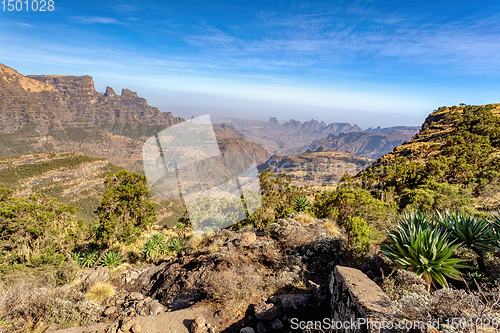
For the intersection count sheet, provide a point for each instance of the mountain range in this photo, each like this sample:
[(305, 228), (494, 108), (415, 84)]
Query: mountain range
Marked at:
[(372, 143), (294, 137), (55, 114)]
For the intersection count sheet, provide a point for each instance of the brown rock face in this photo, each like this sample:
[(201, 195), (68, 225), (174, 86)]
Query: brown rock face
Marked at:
[(48, 113), (265, 311), (109, 92), (68, 85)]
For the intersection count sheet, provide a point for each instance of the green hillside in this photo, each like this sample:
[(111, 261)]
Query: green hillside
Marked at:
[(452, 163), (72, 178)]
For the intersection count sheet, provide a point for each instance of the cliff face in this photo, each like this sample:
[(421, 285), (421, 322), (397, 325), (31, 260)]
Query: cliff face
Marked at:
[(371, 144), (68, 85), (28, 105), (54, 114), (126, 114)]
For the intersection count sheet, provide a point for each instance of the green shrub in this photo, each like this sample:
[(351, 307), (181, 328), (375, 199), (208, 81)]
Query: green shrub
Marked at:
[(432, 196), (343, 203), (125, 210), (358, 233), (278, 198), (37, 230)]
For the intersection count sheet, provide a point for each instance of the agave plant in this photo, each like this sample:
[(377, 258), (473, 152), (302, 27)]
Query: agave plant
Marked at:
[(218, 220), (414, 221), (164, 250), (494, 221), (111, 259), (150, 250), (87, 259), (75, 256), (175, 243), (418, 246), (158, 239), (302, 204), (470, 232)]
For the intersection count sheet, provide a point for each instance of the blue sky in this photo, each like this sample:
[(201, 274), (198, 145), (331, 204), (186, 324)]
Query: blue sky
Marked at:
[(366, 62)]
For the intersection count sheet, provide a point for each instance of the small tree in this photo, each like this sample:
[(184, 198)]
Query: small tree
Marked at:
[(124, 212)]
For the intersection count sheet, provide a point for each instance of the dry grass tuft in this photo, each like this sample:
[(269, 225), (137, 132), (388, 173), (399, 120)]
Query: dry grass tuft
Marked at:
[(304, 218), (332, 228), (196, 242), (213, 248), (216, 242), (100, 292)]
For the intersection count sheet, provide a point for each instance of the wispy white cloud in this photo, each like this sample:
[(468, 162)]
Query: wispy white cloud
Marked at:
[(126, 8), (363, 37), (24, 25), (96, 19)]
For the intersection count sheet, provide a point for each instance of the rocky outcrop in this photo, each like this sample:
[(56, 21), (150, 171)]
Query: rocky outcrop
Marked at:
[(11, 77), (68, 85), (109, 92), (178, 322), (232, 281), (357, 301)]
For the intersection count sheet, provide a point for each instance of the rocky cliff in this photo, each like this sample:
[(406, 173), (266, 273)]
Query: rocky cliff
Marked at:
[(55, 114)]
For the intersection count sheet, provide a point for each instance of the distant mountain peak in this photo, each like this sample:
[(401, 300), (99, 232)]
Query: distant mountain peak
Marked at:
[(110, 92), (129, 93)]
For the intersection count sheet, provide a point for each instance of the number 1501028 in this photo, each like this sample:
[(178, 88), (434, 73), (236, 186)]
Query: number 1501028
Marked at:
[(28, 5)]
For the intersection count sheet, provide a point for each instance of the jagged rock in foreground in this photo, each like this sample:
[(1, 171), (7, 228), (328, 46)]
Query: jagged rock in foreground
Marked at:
[(230, 281)]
